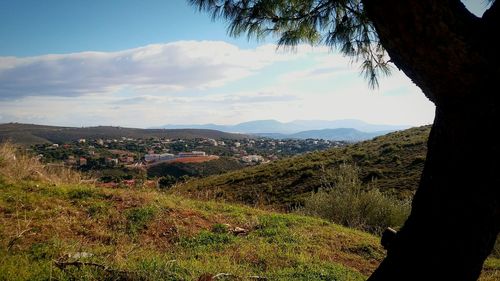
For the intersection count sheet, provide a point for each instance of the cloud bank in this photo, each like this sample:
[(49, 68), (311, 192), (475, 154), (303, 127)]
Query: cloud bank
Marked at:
[(161, 67), (188, 82)]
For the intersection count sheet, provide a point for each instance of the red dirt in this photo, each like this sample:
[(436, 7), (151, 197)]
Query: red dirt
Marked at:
[(198, 159)]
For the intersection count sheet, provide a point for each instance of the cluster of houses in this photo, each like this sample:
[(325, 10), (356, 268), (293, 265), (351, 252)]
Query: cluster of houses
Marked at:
[(253, 159)]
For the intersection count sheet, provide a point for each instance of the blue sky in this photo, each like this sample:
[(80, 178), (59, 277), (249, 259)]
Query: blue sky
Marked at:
[(153, 62)]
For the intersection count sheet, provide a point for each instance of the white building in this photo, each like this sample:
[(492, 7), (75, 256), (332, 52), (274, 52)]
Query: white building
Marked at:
[(158, 157), (252, 159), (192, 154), (212, 142)]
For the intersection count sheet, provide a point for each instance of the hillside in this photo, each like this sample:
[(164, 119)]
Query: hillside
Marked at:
[(29, 134), (392, 163), (52, 226)]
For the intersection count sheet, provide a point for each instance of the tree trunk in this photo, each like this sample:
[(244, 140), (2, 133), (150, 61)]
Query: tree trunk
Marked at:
[(455, 217)]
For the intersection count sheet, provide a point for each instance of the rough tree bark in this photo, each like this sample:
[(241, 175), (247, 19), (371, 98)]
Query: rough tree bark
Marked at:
[(449, 53)]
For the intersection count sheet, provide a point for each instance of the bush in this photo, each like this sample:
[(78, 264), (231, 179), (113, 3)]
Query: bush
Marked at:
[(220, 228), (166, 181), (80, 193), (138, 218), (342, 200)]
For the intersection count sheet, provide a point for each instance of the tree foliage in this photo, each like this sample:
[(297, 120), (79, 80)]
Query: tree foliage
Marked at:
[(339, 24)]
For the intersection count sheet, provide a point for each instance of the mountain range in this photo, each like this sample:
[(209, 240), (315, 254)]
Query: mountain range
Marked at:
[(340, 134), (346, 129)]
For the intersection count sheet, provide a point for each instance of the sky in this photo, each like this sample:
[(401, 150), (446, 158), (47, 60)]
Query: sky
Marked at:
[(146, 63)]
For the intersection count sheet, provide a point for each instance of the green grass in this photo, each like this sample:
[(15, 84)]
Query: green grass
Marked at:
[(391, 163), (150, 235), (139, 217), (49, 227)]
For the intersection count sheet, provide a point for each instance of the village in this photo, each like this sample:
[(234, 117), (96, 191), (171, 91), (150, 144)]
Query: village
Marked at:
[(87, 154)]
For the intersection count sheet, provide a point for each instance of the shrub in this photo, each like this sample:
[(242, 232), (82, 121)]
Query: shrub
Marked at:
[(166, 181), (207, 239), (80, 193), (138, 218), (342, 200), (220, 228)]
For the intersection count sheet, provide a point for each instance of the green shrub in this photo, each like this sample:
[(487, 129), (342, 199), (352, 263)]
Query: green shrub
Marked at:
[(207, 239), (138, 218), (166, 181), (97, 209), (80, 193), (220, 228), (343, 200)]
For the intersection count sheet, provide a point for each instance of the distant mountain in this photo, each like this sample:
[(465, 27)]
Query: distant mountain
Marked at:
[(346, 123), (340, 134), (251, 127), (33, 134), (275, 127)]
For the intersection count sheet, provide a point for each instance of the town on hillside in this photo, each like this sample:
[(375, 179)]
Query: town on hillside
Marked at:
[(131, 154)]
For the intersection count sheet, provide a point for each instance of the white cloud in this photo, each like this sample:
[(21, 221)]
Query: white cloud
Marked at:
[(188, 82), (162, 67)]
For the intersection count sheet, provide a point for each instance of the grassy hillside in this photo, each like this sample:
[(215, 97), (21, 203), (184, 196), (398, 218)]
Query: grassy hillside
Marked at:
[(54, 227), (392, 163), (47, 230), (36, 134)]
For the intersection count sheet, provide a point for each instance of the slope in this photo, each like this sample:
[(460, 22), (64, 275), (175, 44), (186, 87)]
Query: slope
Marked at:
[(53, 227), (65, 230), (392, 163)]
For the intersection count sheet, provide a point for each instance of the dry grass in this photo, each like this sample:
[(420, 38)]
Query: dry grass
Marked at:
[(16, 166)]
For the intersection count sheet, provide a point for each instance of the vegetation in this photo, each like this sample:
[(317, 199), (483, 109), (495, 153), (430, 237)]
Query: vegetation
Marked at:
[(391, 163), (343, 200), (15, 166), (65, 230), (74, 231), (177, 170), (39, 134)]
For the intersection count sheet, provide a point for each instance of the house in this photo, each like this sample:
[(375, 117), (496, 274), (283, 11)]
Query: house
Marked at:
[(71, 160), (111, 161), (252, 159), (82, 161)]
